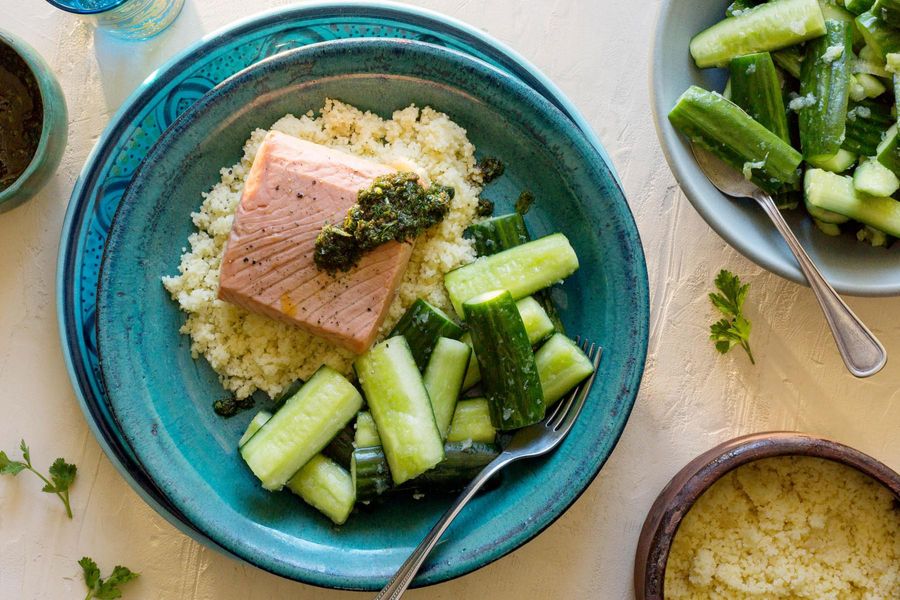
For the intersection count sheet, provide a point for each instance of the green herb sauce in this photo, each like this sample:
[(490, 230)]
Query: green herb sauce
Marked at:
[(394, 208), (490, 168), (21, 116), (485, 208), (524, 202), (228, 407)]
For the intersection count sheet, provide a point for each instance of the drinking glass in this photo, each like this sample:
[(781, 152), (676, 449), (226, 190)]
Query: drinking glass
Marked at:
[(127, 19)]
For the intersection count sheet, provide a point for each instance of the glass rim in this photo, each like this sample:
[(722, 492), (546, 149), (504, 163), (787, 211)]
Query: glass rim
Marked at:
[(86, 11)]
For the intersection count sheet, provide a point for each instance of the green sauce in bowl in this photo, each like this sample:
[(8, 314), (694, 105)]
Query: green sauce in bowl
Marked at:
[(33, 122), (21, 116)]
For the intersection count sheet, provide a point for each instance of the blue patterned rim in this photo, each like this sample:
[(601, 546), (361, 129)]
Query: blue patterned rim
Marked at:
[(143, 118)]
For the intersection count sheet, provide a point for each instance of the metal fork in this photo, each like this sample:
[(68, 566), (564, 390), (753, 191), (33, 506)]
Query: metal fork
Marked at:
[(534, 440)]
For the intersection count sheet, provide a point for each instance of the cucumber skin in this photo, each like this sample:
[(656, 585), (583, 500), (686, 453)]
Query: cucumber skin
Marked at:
[(370, 473), (790, 60), (858, 7), (444, 381), (723, 128), (259, 419), (889, 151), (888, 11), (822, 125), (326, 486), (473, 373), (879, 36), (397, 396), (736, 36), (508, 371), (863, 134), (497, 234), (287, 392), (895, 79), (549, 259), (502, 233), (341, 446), (325, 379), (422, 324), (462, 462), (880, 213), (788, 200), (755, 88)]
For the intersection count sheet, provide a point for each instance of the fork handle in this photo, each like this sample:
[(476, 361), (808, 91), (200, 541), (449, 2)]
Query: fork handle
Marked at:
[(401, 580), (862, 352)]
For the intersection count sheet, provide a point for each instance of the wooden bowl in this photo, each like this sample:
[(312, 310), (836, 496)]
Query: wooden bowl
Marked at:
[(679, 495)]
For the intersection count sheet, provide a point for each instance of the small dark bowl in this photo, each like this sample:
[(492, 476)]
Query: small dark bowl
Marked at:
[(677, 498), (54, 128)]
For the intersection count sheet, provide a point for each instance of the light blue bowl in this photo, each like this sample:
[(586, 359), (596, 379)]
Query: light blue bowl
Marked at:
[(850, 266), (161, 397), (54, 133)]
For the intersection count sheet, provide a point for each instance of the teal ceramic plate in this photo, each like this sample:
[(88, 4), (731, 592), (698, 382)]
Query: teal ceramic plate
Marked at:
[(850, 266), (155, 105), (160, 396)]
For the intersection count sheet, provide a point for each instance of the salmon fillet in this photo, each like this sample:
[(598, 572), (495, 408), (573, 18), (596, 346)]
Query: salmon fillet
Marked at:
[(293, 188)]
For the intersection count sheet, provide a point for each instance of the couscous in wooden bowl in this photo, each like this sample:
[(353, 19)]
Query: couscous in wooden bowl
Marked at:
[(682, 492)]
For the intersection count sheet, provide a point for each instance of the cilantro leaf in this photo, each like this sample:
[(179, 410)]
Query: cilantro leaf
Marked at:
[(734, 329), (110, 587), (62, 474), (10, 467), (731, 301), (91, 572), (104, 589)]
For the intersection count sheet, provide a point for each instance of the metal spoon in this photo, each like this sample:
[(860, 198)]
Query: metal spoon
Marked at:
[(862, 352)]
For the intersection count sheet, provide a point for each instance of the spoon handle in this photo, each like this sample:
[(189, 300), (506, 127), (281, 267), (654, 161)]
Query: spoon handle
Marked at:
[(862, 352)]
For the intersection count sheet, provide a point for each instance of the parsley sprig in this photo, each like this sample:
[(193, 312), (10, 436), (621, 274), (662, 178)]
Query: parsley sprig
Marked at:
[(104, 589), (734, 329), (62, 474)]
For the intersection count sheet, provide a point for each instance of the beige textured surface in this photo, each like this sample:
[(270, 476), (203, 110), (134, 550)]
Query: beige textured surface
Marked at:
[(691, 398)]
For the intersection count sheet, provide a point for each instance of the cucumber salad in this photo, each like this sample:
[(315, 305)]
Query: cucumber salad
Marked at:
[(430, 400), (810, 109)]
